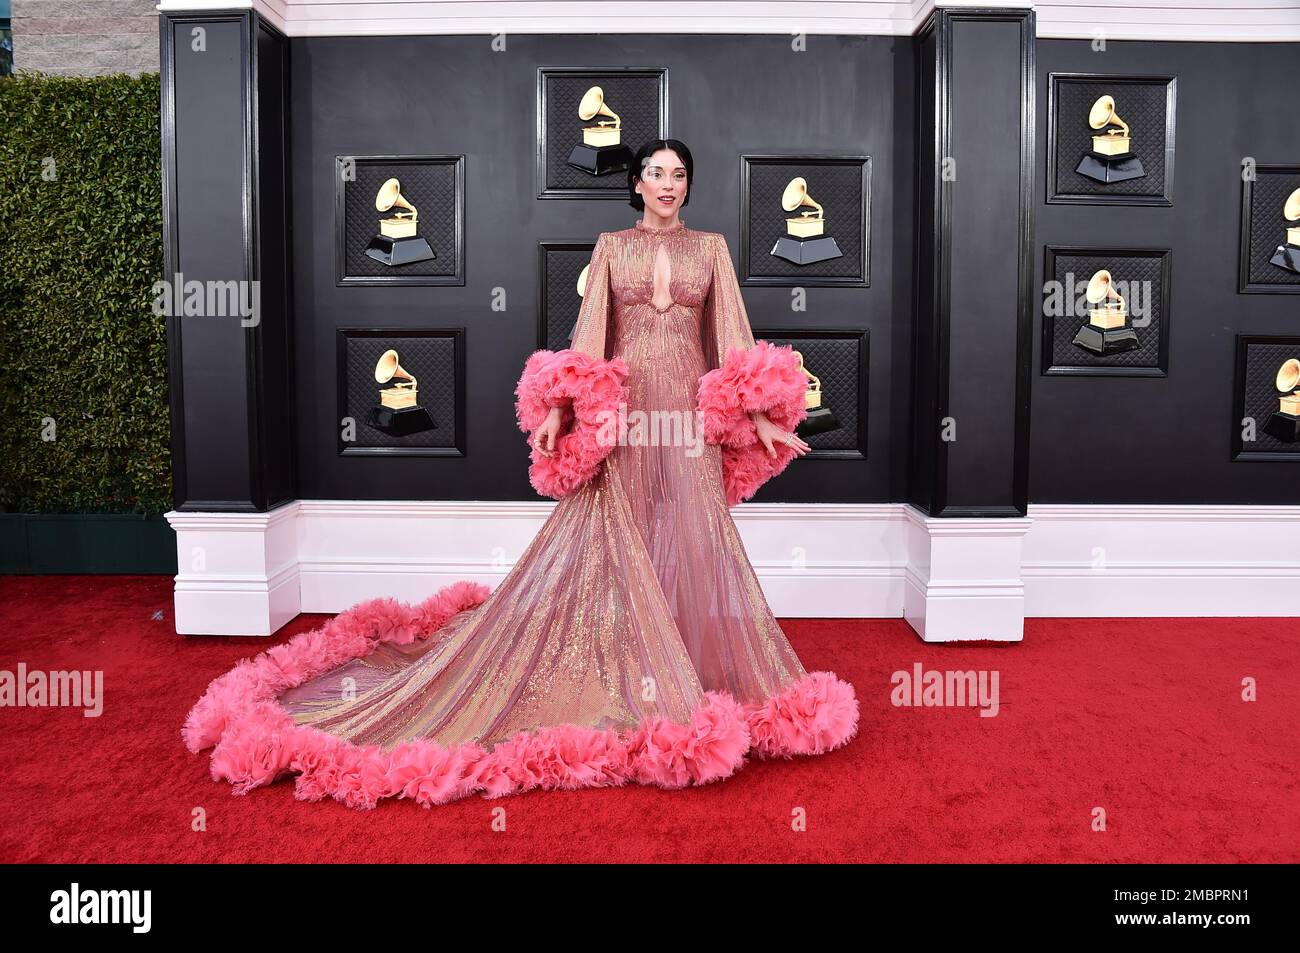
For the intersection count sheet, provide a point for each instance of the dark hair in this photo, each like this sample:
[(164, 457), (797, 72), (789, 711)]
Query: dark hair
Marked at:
[(643, 156)]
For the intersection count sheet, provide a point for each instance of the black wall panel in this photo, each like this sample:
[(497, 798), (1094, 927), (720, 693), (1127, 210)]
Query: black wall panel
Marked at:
[(1168, 440), (728, 95)]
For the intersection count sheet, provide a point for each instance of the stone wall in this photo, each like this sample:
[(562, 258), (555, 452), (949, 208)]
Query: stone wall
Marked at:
[(85, 37)]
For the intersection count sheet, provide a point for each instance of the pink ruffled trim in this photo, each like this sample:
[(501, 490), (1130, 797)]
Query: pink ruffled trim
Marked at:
[(816, 714), (587, 388), (256, 741), (764, 378)]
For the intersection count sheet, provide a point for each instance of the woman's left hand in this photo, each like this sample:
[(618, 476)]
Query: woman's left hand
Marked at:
[(769, 434)]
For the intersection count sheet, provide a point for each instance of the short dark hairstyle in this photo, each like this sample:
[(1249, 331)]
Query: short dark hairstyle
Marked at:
[(643, 156)]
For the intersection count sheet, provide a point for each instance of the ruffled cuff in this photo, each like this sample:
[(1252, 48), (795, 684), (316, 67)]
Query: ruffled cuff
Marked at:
[(763, 378), (590, 391)]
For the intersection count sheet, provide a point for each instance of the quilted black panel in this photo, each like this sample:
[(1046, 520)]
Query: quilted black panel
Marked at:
[(1268, 227), (1261, 394), (560, 301), (634, 95), (430, 187), (836, 360), (1141, 105), (432, 360), (838, 187), (1124, 270)]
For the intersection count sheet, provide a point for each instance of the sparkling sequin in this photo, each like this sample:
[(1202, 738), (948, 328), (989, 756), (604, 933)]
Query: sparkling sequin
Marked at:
[(636, 595)]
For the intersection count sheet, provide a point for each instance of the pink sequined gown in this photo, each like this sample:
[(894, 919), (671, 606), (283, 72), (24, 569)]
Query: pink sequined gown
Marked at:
[(637, 585), (634, 602)]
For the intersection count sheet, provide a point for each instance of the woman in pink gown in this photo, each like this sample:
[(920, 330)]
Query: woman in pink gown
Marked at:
[(631, 641)]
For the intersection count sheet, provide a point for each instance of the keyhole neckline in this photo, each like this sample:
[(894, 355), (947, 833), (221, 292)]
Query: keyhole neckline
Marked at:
[(654, 280), (643, 227)]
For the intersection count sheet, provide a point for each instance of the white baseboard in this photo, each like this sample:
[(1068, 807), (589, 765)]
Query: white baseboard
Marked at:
[(1155, 560), (951, 579)]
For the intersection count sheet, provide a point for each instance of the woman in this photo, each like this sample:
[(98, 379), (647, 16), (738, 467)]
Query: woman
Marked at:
[(631, 641)]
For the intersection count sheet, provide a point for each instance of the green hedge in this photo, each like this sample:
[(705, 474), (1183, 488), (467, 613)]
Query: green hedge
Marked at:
[(79, 254)]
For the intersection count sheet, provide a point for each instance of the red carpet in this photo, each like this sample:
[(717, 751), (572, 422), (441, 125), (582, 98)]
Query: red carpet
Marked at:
[(1140, 717)]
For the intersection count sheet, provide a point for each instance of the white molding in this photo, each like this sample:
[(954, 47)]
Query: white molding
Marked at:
[(1157, 560), (951, 579), (1265, 21), (963, 578), (237, 572), (836, 560)]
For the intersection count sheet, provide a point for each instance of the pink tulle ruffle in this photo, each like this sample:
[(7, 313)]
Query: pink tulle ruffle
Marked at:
[(589, 390), (255, 741), (763, 378)]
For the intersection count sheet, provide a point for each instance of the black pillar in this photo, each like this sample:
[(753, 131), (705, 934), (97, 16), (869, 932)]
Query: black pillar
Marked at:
[(226, 260), (974, 274)]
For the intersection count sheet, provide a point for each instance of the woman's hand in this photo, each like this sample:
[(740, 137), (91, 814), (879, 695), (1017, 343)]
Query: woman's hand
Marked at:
[(545, 436), (769, 433)]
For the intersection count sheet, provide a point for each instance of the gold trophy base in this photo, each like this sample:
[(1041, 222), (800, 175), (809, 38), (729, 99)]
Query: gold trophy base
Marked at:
[(397, 397), (601, 136), (1290, 404), (1108, 319), (397, 227), (1111, 145), (801, 227)]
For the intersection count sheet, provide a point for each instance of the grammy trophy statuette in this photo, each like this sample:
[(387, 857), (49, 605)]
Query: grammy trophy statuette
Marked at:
[(601, 150), (1110, 159), (804, 242), (820, 418), (1284, 423), (1105, 333), (1288, 255), (397, 242), (397, 413)]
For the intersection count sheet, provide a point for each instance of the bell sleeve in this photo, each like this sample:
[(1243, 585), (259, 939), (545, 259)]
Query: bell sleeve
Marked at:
[(584, 383), (744, 378)]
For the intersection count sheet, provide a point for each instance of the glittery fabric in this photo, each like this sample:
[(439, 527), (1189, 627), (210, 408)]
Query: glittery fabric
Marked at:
[(636, 595)]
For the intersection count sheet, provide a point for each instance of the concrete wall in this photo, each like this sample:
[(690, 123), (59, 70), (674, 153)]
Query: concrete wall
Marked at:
[(85, 37)]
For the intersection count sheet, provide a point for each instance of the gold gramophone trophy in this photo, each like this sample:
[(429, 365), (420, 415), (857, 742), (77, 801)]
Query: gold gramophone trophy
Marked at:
[(1288, 255), (820, 417), (1284, 423), (397, 242), (601, 150), (1111, 159), (1106, 331), (397, 413), (804, 241)]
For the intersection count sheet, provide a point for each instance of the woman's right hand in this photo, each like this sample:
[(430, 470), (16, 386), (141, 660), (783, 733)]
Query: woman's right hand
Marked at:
[(545, 436)]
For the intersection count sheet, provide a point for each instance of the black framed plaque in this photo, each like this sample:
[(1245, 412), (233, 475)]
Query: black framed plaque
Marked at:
[(559, 265), (840, 186), (1261, 429), (1146, 103), (427, 420), (1266, 258), (566, 168), (1141, 276), (841, 359), (434, 185)]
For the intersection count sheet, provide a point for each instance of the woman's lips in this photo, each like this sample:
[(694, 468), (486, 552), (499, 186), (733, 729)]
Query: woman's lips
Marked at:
[(667, 199)]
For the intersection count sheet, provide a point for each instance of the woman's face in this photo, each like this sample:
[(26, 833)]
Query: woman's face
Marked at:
[(662, 185)]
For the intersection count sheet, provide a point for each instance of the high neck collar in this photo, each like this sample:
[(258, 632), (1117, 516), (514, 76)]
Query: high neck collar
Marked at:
[(641, 226)]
